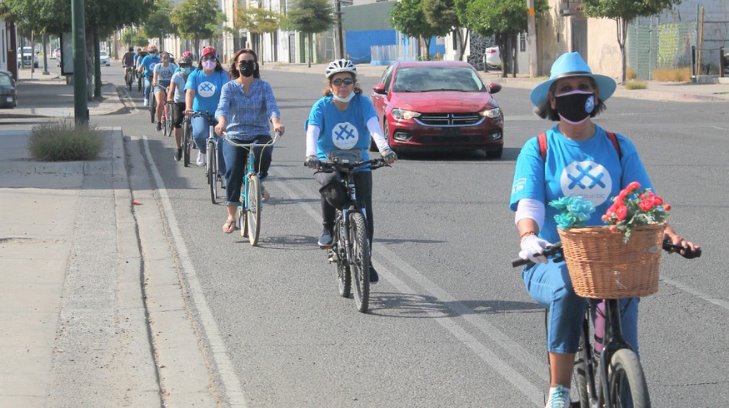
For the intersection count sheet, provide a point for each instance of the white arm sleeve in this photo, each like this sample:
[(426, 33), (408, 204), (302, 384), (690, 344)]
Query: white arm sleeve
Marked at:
[(376, 132), (312, 136), (530, 208)]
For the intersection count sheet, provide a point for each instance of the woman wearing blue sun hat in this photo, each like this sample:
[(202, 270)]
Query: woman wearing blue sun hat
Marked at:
[(575, 157)]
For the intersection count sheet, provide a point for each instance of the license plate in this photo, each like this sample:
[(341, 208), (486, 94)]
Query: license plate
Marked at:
[(451, 131), (9, 98)]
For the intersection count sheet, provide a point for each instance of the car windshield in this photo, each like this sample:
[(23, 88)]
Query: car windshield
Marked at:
[(432, 78), (5, 81)]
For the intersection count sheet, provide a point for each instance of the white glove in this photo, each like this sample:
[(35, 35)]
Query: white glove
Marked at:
[(388, 156), (532, 248)]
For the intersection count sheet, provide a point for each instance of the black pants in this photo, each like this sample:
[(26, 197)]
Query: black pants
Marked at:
[(235, 165), (363, 186)]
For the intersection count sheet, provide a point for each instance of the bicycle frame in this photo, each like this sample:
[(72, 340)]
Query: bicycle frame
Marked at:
[(250, 164)]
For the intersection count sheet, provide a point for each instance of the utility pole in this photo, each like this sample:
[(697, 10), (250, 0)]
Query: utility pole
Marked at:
[(78, 26), (339, 28), (532, 39)]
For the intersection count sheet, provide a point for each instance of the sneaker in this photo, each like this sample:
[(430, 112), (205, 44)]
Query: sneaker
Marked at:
[(264, 194), (159, 126), (325, 239), (145, 101), (178, 155), (374, 277), (559, 397), (200, 159)]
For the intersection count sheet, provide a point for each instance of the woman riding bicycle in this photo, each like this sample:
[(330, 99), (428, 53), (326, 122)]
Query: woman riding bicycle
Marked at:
[(203, 93), (581, 159), (176, 95), (146, 64), (344, 119), (161, 78), (246, 108)]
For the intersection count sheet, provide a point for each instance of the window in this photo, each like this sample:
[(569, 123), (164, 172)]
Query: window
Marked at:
[(522, 42)]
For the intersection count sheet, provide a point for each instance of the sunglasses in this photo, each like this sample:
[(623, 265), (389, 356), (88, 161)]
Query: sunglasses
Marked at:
[(340, 82)]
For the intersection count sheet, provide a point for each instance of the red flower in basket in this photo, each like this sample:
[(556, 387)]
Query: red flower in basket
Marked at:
[(633, 207)]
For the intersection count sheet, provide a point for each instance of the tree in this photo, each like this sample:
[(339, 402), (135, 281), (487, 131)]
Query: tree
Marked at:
[(197, 19), (408, 18), (311, 17), (623, 12), (258, 21), (446, 16), (158, 24), (503, 19)]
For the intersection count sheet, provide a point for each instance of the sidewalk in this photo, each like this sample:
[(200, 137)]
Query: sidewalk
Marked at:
[(81, 324)]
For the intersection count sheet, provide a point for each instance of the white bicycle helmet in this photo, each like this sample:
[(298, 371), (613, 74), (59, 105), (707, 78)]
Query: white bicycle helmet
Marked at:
[(341, 65)]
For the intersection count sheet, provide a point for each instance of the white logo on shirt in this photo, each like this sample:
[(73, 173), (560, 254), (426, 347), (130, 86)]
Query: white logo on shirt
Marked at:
[(587, 179), (206, 89), (345, 135)]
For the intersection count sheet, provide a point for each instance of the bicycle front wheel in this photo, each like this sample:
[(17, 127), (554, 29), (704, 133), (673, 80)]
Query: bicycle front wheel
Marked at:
[(626, 381), (254, 208), (344, 275), (212, 171), (186, 143), (360, 260), (152, 105)]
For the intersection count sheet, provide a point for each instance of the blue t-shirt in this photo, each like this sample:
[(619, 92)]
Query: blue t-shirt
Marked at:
[(588, 168), (149, 62), (207, 89), (342, 130)]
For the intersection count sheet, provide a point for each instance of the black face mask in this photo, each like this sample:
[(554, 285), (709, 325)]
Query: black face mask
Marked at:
[(576, 106), (246, 68)]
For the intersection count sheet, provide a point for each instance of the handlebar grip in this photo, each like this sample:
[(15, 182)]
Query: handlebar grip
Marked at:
[(520, 262), (683, 251)]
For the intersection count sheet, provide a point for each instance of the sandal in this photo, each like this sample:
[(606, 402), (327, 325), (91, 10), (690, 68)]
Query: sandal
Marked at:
[(229, 226), (264, 194)]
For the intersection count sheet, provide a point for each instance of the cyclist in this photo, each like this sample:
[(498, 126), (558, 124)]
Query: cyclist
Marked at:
[(344, 119), (580, 160), (145, 67), (246, 106), (161, 78), (177, 95), (128, 62), (202, 95), (137, 63)]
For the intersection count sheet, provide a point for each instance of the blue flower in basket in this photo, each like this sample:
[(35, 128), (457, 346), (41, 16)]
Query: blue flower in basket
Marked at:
[(574, 211)]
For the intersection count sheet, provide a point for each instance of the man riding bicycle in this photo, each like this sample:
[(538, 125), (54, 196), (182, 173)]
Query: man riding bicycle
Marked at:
[(161, 78), (128, 63), (145, 67)]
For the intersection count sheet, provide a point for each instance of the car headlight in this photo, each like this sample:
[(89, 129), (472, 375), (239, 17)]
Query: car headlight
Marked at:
[(402, 114), (491, 113)]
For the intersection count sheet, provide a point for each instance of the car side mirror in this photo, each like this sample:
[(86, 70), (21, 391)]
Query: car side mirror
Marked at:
[(379, 89), (494, 87)]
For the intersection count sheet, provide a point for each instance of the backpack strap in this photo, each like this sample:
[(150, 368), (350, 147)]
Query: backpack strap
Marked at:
[(542, 140)]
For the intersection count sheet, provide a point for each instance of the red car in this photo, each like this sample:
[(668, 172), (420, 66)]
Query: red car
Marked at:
[(438, 105)]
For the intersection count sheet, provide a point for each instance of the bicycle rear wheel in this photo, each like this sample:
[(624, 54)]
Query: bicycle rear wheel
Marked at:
[(241, 215), (626, 381), (186, 142), (212, 171), (579, 396), (360, 261), (254, 208), (344, 275)]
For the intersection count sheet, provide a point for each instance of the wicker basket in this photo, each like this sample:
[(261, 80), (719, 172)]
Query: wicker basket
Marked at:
[(602, 266)]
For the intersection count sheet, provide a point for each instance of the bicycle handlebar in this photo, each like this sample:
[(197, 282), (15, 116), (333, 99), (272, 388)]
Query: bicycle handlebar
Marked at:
[(667, 246), (276, 136), (329, 166)]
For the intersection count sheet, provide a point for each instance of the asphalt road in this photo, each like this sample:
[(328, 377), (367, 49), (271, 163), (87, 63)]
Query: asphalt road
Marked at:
[(450, 324)]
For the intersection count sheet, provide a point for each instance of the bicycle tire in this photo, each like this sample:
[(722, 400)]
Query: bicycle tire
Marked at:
[(152, 106), (344, 275), (186, 142), (253, 212), (626, 380), (360, 260), (578, 389), (168, 120), (242, 222), (212, 172)]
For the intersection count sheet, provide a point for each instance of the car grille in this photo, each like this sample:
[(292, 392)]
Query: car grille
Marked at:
[(449, 119)]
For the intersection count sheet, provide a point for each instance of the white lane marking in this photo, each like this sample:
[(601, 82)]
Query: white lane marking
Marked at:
[(532, 392), (686, 288), (231, 383)]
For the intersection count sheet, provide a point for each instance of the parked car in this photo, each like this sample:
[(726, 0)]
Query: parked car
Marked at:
[(104, 58), (492, 58), (27, 57), (8, 96), (438, 105)]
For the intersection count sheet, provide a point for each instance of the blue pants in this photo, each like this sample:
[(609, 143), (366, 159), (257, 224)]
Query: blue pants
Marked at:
[(200, 126), (237, 157), (147, 86), (549, 284)]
